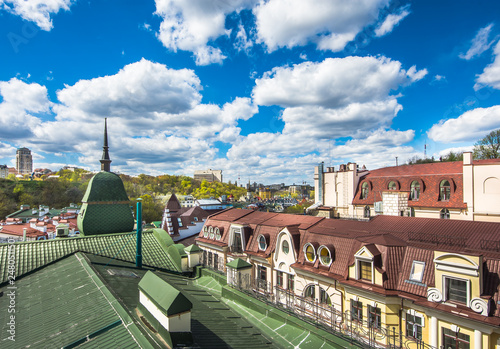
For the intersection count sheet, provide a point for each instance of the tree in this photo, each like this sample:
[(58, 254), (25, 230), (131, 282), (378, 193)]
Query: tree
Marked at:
[(488, 147)]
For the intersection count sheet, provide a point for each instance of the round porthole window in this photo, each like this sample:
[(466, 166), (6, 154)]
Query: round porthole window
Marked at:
[(262, 243), (324, 255), (309, 252)]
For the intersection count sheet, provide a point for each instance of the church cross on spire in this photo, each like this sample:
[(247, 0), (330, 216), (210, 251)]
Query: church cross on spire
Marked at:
[(105, 160)]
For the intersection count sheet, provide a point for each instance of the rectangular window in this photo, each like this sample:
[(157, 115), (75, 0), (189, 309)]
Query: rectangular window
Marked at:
[(456, 290), (291, 283), (179, 221), (279, 279), (356, 310), (417, 271), (237, 244), (365, 270), (210, 258), (455, 340), (374, 317), (262, 278), (216, 261), (414, 326)]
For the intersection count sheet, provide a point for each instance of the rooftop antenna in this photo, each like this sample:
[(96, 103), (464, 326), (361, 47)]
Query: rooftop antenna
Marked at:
[(425, 150), (396, 161)]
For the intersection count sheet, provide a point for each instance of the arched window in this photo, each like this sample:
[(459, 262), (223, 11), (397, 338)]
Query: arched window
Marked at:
[(365, 189), (392, 185), (414, 190), (310, 292), (366, 213), (444, 190), (217, 233), (310, 253), (324, 298), (211, 231), (285, 247), (444, 214)]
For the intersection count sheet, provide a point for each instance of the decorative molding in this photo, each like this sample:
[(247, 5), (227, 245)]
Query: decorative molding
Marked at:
[(471, 269), (434, 295), (455, 328), (480, 306)]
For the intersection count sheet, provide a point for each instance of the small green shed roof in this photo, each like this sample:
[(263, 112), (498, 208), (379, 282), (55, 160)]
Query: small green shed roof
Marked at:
[(238, 263), (167, 298), (192, 248)]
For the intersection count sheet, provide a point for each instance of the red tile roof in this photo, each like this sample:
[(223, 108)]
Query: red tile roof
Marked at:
[(429, 175)]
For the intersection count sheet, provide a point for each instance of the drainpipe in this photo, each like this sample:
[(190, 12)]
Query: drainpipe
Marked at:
[(341, 297), (138, 255)]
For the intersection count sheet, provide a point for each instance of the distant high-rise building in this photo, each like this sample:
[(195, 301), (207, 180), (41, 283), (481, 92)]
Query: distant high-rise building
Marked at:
[(24, 161)]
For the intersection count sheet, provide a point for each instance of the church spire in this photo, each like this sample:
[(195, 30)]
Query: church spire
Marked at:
[(105, 160)]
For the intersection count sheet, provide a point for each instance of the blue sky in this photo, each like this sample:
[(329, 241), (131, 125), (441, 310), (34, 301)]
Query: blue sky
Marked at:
[(263, 90)]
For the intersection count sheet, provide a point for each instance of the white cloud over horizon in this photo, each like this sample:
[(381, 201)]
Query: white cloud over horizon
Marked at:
[(470, 126)]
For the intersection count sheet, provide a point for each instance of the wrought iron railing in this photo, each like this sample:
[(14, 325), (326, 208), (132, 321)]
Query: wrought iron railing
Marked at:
[(365, 333), (213, 262)]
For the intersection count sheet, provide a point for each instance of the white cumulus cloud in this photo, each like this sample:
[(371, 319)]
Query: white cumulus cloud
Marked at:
[(37, 11), (470, 126), (330, 24), (491, 74)]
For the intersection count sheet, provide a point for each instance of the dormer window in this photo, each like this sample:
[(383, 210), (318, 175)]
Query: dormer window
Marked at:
[(415, 190), (217, 233), (365, 189), (211, 232), (392, 185), (309, 253), (179, 221), (365, 270), (444, 190), (364, 263), (236, 242), (262, 243), (325, 256), (456, 290)]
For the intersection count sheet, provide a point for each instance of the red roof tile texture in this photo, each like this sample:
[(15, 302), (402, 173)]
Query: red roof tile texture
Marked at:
[(429, 177)]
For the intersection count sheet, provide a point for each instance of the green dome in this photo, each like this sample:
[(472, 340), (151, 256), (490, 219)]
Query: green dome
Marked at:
[(105, 207), (105, 186)]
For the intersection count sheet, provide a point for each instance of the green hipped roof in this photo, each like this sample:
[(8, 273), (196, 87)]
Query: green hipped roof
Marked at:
[(105, 186), (238, 263), (180, 248), (97, 219), (167, 298), (192, 248), (32, 255), (64, 303)]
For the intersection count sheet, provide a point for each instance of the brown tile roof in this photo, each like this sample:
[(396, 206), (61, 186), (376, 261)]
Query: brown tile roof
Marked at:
[(429, 176)]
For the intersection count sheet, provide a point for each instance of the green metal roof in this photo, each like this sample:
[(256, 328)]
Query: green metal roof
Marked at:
[(165, 297), (238, 263), (31, 255), (193, 248), (105, 186), (64, 303), (97, 219)]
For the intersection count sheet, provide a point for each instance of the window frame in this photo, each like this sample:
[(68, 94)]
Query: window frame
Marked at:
[(446, 290), (444, 214), (356, 310), (446, 189), (310, 292), (393, 187), (306, 247), (413, 326), (458, 342), (412, 272), (366, 212), (415, 190), (287, 250), (330, 259), (374, 312), (365, 190), (260, 239), (179, 222), (361, 272), (290, 282), (279, 278), (324, 297)]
